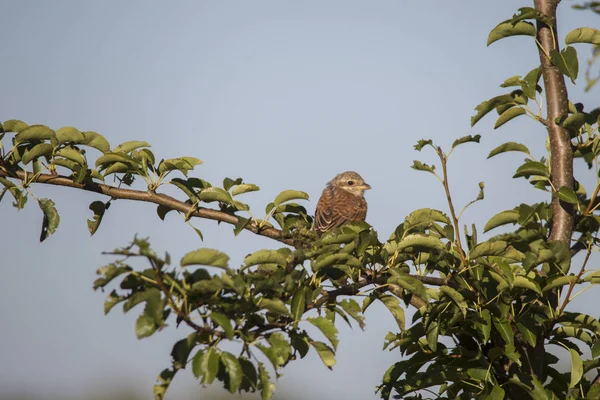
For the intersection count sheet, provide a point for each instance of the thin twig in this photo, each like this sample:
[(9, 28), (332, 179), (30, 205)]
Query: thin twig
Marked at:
[(443, 159)]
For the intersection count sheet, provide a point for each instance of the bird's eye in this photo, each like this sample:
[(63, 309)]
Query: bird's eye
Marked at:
[(350, 183)]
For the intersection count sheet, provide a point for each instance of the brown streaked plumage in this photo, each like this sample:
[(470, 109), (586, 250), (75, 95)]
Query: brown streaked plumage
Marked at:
[(342, 202)]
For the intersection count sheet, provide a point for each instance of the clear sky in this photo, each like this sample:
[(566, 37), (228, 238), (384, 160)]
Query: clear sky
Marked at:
[(283, 94)]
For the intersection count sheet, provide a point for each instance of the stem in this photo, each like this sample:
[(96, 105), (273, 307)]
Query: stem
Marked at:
[(572, 285), (443, 159), (184, 317)]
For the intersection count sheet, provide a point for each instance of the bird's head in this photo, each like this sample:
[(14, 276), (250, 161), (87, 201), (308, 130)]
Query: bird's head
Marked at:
[(351, 182)]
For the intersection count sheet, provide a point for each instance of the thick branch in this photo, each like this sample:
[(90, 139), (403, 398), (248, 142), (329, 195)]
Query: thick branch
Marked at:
[(561, 155), (151, 197)]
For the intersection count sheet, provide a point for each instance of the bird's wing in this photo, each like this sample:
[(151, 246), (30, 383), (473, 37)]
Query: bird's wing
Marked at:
[(323, 215), (336, 209)]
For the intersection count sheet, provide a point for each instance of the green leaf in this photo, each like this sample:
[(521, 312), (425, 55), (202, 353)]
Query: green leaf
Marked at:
[(583, 35), (479, 374), (506, 29), (325, 352), (393, 305), (351, 307), (98, 208), (566, 61), (485, 327), (111, 158), (96, 141), (559, 281), (327, 328), (144, 326), (267, 387), (507, 115), (512, 81), (527, 334), (525, 282), (129, 146), (206, 365), (34, 132), (211, 257), (288, 195), (534, 168), (529, 84), (228, 183), (181, 350), (508, 146), (51, 218), (214, 194), (224, 322), (573, 122), (466, 139), (164, 380), (424, 217), (298, 303), (266, 257), (497, 393), (419, 166), (241, 225), (72, 154), (112, 300), (494, 248), (110, 272), (483, 108), (422, 143), (531, 13), (416, 240), (117, 168), (244, 188), (68, 134), (39, 150), (279, 352), (456, 297), (567, 195), (576, 368), (273, 305), (233, 369), (182, 164), (503, 327), (14, 125), (432, 334)]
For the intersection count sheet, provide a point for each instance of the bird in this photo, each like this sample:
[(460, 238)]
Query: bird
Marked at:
[(341, 202)]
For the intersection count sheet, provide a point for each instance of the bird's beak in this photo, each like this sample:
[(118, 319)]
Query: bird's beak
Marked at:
[(366, 186)]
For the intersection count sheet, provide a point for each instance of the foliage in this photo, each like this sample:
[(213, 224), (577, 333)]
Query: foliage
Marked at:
[(491, 318)]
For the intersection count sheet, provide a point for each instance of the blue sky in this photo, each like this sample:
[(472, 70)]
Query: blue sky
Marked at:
[(283, 94)]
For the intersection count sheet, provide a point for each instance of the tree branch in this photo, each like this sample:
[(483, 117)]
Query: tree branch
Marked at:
[(561, 154), (151, 197)]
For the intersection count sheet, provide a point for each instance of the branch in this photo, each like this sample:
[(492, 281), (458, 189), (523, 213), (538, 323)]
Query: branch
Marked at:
[(353, 289), (446, 185), (561, 155), (151, 197)]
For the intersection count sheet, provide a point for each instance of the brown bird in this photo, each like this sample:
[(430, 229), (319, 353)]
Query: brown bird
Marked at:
[(342, 202)]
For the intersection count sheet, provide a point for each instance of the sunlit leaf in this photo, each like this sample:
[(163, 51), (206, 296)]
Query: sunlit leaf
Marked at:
[(583, 35), (51, 218), (288, 195), (211, 257), (508, 146), (506, 29)]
